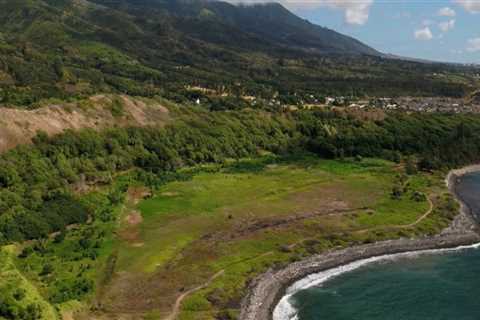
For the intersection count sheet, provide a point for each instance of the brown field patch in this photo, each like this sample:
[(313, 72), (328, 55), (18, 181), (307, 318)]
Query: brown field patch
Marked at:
[(169, 194), (129, 235), (134, 218), (136, 194)]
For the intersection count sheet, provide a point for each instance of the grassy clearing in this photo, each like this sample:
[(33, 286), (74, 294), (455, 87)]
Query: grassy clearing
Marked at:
[(255, 214), (181, 212)]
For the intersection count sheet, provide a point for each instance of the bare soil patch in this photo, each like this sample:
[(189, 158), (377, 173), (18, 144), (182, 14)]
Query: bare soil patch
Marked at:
[(169, 194), (134, 218), (19, 126), (136, 194), (131, 233)]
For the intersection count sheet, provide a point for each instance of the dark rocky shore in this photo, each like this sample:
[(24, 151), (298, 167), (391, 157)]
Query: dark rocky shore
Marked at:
[(267, 289)]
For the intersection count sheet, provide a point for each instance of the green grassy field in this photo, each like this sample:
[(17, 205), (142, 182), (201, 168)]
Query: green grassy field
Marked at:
[(249, 216), (182, 212), (204, 238)]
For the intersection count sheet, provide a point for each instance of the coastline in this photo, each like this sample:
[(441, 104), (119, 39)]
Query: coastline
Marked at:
[(268, 289)]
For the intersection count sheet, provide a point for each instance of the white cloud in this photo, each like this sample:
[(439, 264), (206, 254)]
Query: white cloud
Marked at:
[(447, 12), (423, 34), (472, 6), (356, 11), (473, 45), (447, 25)]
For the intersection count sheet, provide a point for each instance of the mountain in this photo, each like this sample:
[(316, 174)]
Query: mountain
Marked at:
[(269, 22), (275, 22), (76, 48)]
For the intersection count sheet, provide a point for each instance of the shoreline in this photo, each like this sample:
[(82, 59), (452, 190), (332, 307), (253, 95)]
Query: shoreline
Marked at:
[(268, 289)]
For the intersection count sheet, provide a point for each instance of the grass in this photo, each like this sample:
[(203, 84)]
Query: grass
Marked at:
[(183, 211), (12, 282), (240, 218), (253, 215)]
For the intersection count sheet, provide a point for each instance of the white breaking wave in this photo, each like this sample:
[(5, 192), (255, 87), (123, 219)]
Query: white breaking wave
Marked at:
[(286, 311)]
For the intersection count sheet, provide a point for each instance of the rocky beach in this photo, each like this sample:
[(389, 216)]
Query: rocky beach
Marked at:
[(268, 289)]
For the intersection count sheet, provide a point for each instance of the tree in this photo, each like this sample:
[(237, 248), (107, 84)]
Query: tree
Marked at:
[(397, 191), (411, 166), (46, 270), (8, 175)]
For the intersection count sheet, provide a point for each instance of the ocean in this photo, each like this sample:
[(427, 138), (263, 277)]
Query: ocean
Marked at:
[(436, 284)]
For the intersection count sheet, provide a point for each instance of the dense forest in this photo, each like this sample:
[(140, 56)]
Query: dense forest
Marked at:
[(37, 181), (69, 49)]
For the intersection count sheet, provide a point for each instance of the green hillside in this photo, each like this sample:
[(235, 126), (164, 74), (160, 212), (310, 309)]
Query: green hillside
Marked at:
[(67, 48), (125, 221)]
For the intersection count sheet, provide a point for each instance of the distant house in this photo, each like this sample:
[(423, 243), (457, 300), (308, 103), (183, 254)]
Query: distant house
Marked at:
[(329, 100)]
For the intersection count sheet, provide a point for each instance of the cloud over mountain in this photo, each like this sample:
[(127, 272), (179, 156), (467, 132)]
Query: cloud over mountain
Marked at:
[(472, 6), (355, 12)]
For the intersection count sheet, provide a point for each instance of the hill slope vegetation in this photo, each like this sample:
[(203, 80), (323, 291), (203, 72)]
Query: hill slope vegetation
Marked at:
[(71, 48)]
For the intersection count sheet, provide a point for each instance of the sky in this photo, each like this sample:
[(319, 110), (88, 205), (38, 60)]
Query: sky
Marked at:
[(441, 30)]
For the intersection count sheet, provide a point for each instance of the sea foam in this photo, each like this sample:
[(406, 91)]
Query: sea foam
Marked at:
[(285, 309)]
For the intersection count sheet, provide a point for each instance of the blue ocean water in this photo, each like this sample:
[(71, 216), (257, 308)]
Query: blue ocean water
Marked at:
[(443, 286)]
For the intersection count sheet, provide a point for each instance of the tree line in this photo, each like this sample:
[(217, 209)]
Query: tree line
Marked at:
[(37, 182)]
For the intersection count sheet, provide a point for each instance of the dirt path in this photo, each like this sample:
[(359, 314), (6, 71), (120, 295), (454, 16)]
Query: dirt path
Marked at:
[(423, 217), (178, 302), (402, 226)]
